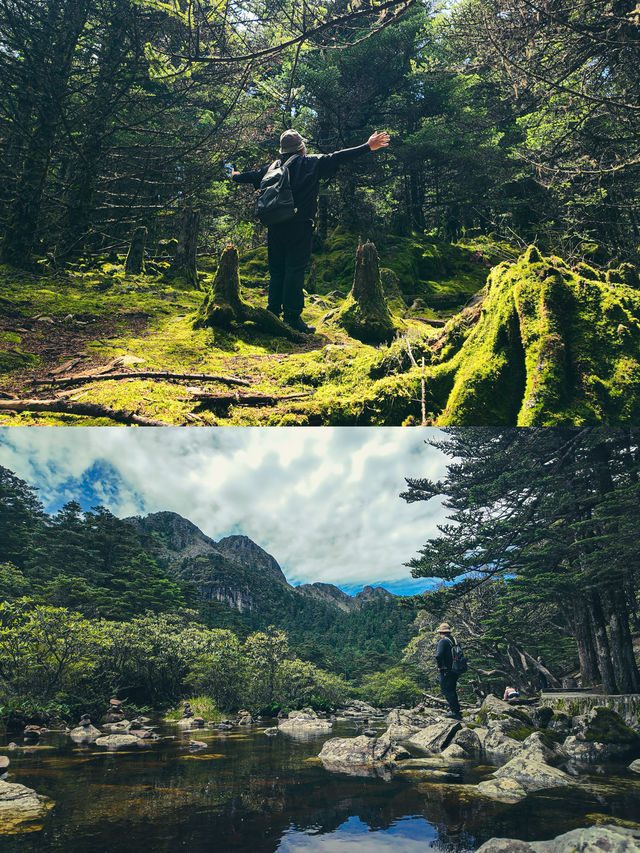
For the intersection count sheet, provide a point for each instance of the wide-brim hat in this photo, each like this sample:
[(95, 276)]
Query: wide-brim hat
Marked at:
[(291, 142), (443, 628)]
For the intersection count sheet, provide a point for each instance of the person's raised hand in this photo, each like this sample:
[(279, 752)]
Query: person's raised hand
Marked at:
[(233, 172), (378, 140)]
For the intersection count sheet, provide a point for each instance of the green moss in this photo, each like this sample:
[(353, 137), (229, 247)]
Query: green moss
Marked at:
[(551, 738), (544, 715), (546, 345), (608, 727), (16, 359), (521, 733), (522, 716)]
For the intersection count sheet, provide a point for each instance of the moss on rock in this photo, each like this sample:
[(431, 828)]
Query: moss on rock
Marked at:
[(606, 726)]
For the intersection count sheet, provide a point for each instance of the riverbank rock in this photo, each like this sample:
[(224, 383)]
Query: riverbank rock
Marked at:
[(121, 726), (613, 839), (116, 741), (582, 753), (4, 763), (436, 737), (19, 804), (361, 750), (538, 748), (85, 734), (271, 731), (197, 744), (401, 724), (468, 740), (635, 766), (357, 708)]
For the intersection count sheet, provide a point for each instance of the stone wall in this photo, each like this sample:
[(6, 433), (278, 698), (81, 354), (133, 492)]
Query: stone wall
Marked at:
[(574, 704)]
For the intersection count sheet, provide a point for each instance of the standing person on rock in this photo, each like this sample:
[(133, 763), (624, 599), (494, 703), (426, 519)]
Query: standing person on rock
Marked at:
[(289, 243), (448, 678)]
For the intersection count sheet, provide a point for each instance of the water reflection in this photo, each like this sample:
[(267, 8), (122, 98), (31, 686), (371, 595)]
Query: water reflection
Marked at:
[(411, 834), (261, 794)]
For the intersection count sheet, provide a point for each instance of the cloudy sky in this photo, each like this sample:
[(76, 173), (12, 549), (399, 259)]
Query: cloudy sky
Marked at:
[(323, 501)]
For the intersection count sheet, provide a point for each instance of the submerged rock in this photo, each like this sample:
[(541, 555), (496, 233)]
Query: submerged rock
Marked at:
[(613, 839), (19, 804)]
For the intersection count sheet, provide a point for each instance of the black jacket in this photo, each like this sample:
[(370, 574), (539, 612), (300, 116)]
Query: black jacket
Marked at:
[(444, 655), (305, 174)]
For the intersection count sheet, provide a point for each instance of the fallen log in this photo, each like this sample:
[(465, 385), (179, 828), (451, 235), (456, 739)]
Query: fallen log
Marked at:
[(212, 399), (68, 407), (81, 378)]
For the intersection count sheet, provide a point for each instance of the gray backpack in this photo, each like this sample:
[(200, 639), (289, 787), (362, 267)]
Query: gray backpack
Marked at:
[(274, 203)]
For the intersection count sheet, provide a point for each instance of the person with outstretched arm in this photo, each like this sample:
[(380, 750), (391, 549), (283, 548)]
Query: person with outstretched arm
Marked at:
[(289, 243)]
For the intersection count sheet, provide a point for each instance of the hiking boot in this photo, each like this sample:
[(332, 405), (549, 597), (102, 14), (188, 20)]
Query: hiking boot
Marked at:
[(298, 325)]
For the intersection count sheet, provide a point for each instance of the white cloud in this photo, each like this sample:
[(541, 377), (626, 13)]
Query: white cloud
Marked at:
[(323, 501)]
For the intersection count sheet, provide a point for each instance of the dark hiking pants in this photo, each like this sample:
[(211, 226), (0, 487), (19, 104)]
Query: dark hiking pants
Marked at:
[(448, 682), (289, 250)]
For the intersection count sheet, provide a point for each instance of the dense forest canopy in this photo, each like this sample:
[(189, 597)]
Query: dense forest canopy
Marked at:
[(519, 117)]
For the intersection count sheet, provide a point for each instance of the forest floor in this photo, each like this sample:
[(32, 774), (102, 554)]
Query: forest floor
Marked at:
[(87, 320), (506, 340)]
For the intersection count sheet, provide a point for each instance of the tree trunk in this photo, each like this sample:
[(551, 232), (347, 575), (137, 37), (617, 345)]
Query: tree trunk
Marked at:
[(63, 25), (624, 662), (603, 651), (365, 314), (135, 257), (581, 629), (184, 263)]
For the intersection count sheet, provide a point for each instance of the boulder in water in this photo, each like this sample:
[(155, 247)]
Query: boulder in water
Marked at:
[(116, 741), (613, 839)]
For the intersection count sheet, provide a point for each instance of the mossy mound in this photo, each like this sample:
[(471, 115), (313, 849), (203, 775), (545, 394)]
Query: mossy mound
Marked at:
[(549, 345), (606, 726)]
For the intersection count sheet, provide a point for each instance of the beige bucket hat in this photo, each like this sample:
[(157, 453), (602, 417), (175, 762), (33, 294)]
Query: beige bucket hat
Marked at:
[(443, 628)]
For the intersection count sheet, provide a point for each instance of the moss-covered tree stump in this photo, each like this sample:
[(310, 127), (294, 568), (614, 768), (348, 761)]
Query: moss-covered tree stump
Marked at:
[(365, 314), (548, 345), (224, 307)]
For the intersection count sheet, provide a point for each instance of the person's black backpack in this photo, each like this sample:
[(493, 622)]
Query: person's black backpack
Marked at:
[(275, 199), (459, 664)]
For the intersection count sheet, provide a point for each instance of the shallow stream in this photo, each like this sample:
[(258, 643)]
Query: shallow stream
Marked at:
[(251, 793)]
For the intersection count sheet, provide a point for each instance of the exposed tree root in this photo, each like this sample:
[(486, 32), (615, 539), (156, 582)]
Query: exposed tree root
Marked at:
[(207, 398), (68, 407), (81, 378)]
